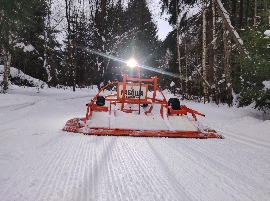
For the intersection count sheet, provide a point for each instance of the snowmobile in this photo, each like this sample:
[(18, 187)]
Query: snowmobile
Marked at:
[(138, 108)]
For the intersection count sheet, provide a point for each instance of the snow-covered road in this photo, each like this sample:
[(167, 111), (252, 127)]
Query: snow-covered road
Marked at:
[(38, 161)]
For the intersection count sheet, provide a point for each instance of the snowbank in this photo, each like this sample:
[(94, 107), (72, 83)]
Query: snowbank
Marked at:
[(16, 73)]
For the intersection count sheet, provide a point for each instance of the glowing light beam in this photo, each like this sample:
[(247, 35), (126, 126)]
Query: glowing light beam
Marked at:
[(126, 62)]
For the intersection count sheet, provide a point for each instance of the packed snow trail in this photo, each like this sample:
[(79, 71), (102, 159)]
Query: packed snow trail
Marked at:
[(38, 161)]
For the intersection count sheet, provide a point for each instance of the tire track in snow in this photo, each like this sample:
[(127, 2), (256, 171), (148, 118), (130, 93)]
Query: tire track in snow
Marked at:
[(11, 118), (72, 98), (19, 106)]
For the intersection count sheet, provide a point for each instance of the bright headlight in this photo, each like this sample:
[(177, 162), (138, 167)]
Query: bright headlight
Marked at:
[(132, 63)]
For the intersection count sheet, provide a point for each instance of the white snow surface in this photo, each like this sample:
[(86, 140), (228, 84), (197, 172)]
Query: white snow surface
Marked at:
[(266, 84), (39, 161), (267, 32)]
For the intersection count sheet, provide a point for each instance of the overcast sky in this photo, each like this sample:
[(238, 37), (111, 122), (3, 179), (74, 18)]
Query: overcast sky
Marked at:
[(161, 21), (58, 10), (163, 28)]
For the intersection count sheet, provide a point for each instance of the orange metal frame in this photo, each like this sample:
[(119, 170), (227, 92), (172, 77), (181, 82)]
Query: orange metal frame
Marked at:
[(78, 124), (116, 98)]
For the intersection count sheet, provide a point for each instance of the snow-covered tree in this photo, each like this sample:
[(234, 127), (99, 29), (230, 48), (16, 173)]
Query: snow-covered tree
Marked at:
[(14, 17)]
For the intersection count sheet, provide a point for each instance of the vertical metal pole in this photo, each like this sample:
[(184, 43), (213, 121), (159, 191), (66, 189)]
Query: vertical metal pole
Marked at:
[(124, 92), (140, 90)]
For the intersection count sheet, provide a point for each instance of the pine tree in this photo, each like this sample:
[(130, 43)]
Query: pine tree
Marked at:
[(254, 71), (143, 31), (30, 60)]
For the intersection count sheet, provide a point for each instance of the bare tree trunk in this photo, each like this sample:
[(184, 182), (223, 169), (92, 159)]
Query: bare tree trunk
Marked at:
[(255, 13), (71, 77), (179, 52), (216, 92), (204, 52), (186, 80), (74, 52), (227, 67), (7, 61), (46, 19)]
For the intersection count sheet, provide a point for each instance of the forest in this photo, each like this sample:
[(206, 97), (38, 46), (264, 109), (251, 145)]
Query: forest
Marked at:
[(218, 51)]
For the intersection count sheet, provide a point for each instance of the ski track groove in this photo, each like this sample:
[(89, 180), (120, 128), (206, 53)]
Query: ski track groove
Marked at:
[(136, 170), (91, 179), (115, 168), (138, 157), (114, 176), (58, 178), (14, 118), (18, 182), (72, 98), (72, 158), (120, 162), (61, 149), (168, 168), (221, 165), (47, 167), (217, 171), (78, 171), (103, 147), (16, 115), (228, 164), (191, 167), (82, 195), (252, 142), (43, 166), (117, 177), (168, 188)]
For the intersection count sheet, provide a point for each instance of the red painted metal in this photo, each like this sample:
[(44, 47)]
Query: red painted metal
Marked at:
[(78, 125)]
